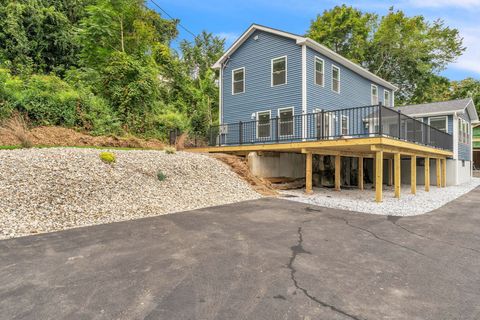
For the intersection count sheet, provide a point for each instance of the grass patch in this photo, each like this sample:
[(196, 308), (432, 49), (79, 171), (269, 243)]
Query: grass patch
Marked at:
[(10, 147)]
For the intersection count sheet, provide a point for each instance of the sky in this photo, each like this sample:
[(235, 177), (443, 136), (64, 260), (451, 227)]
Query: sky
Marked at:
[(230, 18)]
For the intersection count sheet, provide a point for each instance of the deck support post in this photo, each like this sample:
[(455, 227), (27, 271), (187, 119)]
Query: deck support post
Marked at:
[(444, 172), (390, 172), (360, 173), (427, 174), (337, 172), (413, 175), (439, 172), (308, 172), (398, 182), (378, 176)]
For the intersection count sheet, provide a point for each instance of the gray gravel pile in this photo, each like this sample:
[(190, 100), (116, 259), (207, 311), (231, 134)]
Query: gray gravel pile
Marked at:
[(43, 190)]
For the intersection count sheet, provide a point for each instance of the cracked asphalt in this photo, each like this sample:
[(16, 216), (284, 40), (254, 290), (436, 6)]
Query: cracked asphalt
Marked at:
[(263, 259)]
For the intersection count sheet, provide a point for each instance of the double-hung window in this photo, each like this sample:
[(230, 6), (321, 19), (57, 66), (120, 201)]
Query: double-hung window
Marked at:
[(263, 124), (374, 95), (386, 98), (279, 71), (238, 81), (285, 124), (439, 123), (335, 79), (319, 71)]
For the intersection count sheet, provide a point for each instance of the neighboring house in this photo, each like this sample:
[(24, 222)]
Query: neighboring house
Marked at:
[(455, 117), (293, 106), (476, 147)]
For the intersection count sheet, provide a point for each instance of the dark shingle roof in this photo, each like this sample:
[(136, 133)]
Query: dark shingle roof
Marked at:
[(436, 107)]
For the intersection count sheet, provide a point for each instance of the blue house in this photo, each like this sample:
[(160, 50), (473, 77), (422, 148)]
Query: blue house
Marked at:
[(289, 103)]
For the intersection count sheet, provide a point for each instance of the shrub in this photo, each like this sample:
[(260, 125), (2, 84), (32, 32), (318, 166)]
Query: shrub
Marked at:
[(108, 157), (161, 176), (17, 127), (170, 150)]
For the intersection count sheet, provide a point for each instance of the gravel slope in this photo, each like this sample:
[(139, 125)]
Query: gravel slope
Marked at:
[(43, 190), (363, 201)]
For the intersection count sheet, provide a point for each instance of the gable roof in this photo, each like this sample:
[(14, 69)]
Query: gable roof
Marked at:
[(441, 108), (309, 43)]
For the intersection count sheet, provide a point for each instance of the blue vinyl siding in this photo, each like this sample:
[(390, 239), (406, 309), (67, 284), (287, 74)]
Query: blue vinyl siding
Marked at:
[(464, 150), (255, 56), (355, 90)]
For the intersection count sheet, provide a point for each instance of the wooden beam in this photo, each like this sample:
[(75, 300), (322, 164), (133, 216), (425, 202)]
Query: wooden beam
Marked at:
[(338, 165), (444, 172), (378, 176), (308, 173), (390, 172), (398, 182), (360, 173), (427, 174), (438, 168), (413, 175)]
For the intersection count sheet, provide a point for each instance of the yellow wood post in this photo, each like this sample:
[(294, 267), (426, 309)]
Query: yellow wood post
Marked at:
[(308, 173), (398, 182), (378, 176), (444, 172), (439, 170), (360, 173), (413, 175), (427, 174), (337, 172), (390, 172)]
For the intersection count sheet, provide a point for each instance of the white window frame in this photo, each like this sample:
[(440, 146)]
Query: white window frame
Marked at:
[(386, 100), (333, 79), (437, 118), (258, 122), (372, 102), (315, 71), (271, 71), (343, 116), (233, 80), (460, 129), (293, 121), (329, 117)]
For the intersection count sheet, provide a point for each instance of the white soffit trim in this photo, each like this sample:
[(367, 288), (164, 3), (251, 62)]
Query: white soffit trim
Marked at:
[(312, 44), (472, 112)]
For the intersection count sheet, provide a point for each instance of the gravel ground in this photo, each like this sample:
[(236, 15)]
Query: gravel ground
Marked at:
[(364, 201), (44, 190)]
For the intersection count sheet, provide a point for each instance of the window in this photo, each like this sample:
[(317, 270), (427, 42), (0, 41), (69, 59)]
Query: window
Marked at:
[(285, 122), (279, 71), (238, 81), (326, 124), (335, 79), (460, 130), (344, 125), (374, 95), (386, 98), (439, 123), (319, 71), (263, 124)]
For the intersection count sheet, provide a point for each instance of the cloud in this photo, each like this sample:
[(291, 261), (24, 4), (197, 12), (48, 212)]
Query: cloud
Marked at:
[(470, 60), (470, 4), (229, 37)]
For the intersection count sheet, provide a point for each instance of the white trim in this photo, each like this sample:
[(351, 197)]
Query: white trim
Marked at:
[(393, 99), (371, 94), (339, 77), (327, 116), (220, 98), (304, 91), (293, 121), (385, 92), (315, 58), (269, 124), (233, 72), (271, 71), (439, 117), (310, 43), (343, 116)]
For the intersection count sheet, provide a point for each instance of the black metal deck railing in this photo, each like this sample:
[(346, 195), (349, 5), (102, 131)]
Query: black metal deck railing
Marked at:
[(359, 122)]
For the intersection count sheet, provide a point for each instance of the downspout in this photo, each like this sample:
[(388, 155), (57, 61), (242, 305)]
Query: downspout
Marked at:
[(455, 145), (304, 92)]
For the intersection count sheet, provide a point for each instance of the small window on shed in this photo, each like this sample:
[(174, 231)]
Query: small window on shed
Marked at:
[(439, 123), (335, 79), (319, 71), (374, 99), (279, 71), (386, 98), (238, 81)]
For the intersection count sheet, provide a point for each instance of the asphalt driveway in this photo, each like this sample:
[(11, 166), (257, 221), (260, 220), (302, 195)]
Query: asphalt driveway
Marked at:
[(264, 259)]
